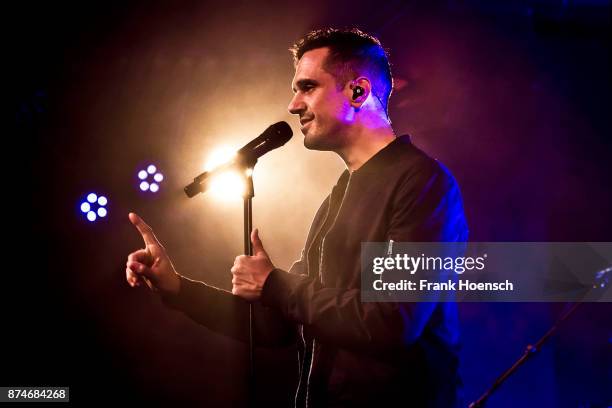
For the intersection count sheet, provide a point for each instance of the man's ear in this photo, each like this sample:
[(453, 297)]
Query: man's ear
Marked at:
[(359, 90)]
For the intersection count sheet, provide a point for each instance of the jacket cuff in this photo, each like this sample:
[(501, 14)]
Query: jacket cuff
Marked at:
[(279, 288)]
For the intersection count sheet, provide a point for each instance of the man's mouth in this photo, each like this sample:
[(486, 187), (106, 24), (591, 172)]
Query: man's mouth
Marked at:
[(304, 121)]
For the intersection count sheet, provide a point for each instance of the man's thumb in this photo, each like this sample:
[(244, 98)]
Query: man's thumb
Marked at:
[(257, 244)]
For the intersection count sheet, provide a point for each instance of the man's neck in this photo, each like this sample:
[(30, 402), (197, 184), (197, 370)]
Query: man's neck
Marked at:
[(364, 144)]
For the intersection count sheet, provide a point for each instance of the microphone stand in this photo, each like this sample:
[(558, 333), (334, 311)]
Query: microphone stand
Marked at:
[(601, 282), (249, 193), (273, 137), (244, 165), (530, 351)]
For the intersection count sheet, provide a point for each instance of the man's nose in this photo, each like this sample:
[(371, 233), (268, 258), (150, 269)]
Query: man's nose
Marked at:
[(296, 106)]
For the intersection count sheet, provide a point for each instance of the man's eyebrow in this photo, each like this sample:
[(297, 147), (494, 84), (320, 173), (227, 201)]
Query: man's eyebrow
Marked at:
[(303, 83)]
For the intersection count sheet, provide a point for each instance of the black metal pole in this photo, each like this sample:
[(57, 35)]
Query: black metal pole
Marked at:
[(530, 351), (248, 250)]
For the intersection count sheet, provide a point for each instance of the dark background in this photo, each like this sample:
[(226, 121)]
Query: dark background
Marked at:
[(512, 96)]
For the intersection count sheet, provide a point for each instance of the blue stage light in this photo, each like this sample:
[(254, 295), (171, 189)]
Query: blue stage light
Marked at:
[(94, 207)]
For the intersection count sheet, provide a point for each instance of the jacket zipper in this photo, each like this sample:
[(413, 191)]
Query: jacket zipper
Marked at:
[(346, 189), (348, 183)]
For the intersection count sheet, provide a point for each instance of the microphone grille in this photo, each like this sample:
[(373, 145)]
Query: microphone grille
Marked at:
[(283, 131)]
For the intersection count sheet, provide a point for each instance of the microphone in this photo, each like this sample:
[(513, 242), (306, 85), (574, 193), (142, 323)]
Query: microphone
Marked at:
[(272, 138)]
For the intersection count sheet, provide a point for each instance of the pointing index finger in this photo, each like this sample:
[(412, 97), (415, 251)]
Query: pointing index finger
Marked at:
[(147, 233)]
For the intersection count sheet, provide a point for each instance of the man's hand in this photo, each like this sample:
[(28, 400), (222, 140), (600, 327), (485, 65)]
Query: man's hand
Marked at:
[(151, 264), (250, 272)]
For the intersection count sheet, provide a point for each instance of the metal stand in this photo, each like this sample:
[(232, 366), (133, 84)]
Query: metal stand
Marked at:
[(273, 137), (600, 284), (249, 193), (530, 351)]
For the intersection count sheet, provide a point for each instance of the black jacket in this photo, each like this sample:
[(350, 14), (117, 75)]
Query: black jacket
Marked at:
[(354, 353)]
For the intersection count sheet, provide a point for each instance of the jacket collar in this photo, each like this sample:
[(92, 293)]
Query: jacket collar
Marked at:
[(384, 157)]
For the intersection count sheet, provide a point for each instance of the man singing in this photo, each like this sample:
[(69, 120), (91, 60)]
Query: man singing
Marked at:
[(351, 353)]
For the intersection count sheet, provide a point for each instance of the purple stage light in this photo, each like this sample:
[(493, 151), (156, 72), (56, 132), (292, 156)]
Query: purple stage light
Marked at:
[(150, 179)]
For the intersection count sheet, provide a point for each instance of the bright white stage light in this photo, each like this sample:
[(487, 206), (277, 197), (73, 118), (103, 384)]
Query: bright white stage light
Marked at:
[(91, 216), (102, 201), (219, 156), (85, 207), (102, 212), (226, 185), (151, 169), (154, 188), (144, 186), (92, 198), (142, 174), (158, 177)]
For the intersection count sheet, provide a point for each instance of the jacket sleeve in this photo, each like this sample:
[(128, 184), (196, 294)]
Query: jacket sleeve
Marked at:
[(426, 208), (220, 311)]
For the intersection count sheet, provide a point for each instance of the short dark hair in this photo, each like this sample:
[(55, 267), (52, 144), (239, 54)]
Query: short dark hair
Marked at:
[(351, 53)]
